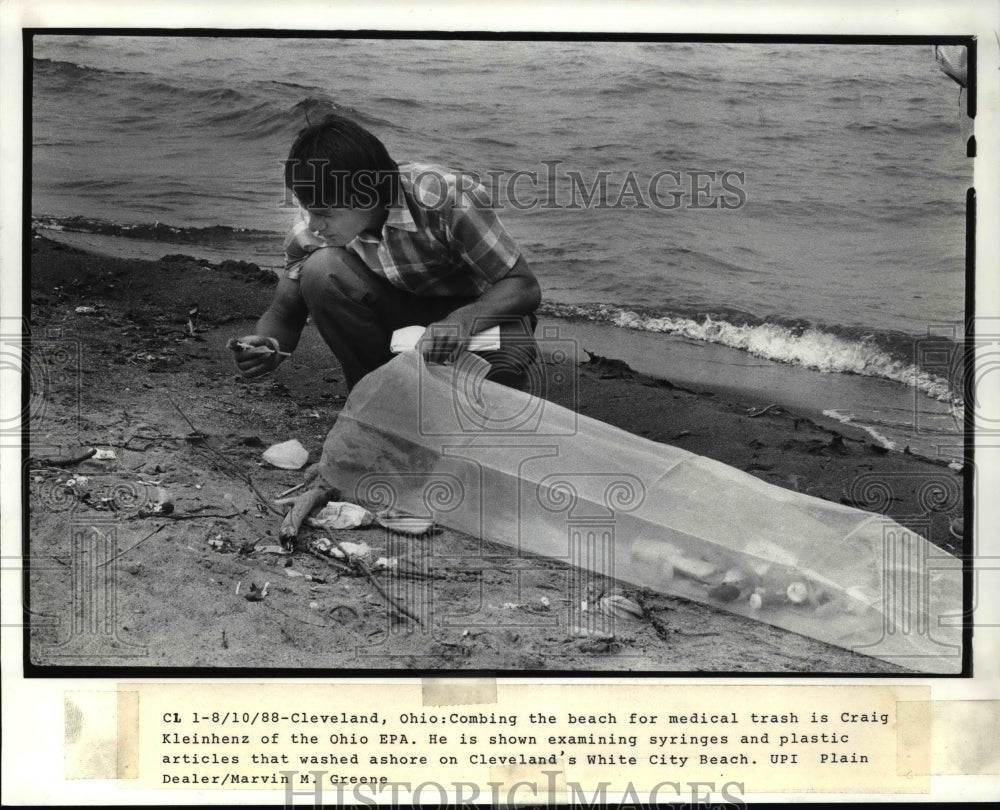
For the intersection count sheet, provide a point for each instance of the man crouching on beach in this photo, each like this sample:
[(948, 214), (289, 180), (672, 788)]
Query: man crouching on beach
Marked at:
[(380, 246)]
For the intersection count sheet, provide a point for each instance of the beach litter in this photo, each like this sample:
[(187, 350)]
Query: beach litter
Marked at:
[(290, 455), (404, 524), (345, 550), (620, 607), (256, 594), (251, 348), (499, 464), (339, 515)]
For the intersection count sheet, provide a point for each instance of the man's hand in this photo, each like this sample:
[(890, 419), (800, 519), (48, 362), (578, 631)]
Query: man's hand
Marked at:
[(256, 355), (443, 341), (514, 295)]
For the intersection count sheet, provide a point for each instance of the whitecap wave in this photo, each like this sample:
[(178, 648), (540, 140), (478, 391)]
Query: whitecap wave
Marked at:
[(809, 347)]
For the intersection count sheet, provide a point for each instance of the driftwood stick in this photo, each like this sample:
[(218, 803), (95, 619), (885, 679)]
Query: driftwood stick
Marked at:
[(303, 505), (66, 462)]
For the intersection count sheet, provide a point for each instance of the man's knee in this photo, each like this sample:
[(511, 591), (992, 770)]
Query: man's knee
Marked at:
[(333, 271)]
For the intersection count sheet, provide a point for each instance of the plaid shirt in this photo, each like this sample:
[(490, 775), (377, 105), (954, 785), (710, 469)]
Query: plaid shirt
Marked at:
[(444, 239)]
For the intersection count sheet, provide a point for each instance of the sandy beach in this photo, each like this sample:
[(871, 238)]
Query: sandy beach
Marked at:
[(124, 366)]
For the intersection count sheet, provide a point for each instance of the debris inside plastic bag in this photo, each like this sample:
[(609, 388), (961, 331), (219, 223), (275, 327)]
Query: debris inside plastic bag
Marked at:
[(290, 455), (811, 566), (341, 515)]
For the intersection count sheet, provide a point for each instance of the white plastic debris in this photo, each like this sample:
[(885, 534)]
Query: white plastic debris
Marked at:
[(404, 524), (340, 515), (290, 455), (351, 550), (386, 564)]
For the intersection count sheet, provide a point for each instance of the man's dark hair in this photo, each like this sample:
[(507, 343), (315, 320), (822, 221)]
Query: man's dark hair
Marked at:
[(338, 163)]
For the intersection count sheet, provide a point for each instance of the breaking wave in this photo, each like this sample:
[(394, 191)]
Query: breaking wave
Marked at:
[(809, 346)]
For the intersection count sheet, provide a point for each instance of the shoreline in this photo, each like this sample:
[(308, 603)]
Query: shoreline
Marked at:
[(160, 395), (891, 414)]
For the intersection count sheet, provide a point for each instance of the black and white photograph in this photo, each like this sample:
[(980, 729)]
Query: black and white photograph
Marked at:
[(498, 405), (518, 354)]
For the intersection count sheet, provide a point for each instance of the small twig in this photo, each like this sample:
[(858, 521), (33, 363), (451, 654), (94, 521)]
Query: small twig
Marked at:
[(140, 515), (290, 490), (184, 416), (361, 566), (761, 413), (66, 462), (245, 477), (134, 545)]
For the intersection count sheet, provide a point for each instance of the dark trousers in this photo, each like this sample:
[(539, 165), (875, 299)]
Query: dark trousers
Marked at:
[(356, 311)]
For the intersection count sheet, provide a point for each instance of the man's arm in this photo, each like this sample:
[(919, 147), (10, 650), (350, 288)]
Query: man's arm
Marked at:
[(279, 329), (517, 293)]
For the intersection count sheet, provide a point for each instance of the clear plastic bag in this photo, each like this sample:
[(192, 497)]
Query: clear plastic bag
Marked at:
[(499, 464)]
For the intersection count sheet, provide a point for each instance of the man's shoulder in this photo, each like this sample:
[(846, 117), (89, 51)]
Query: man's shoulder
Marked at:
[(436, 187), (430, 185)]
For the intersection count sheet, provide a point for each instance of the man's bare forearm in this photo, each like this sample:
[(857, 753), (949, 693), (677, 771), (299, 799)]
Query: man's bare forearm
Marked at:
[(512, 296), (275, 325)]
